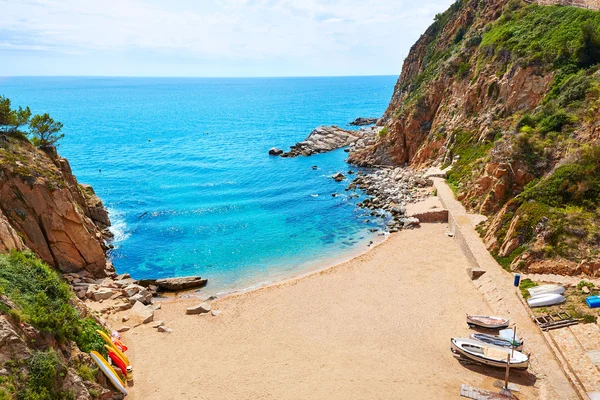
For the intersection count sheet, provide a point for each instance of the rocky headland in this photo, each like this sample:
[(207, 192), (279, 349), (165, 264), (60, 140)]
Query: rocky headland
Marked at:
[(360, 121), (326, 138), (488, 91)]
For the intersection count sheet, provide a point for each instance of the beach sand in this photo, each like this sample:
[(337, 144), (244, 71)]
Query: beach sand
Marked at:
[(375, 327)]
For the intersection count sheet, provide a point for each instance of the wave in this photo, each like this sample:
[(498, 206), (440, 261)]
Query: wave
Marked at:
[(119, 226)]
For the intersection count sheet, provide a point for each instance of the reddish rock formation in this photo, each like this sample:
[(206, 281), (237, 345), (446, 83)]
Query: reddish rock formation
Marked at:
[(43, 208)]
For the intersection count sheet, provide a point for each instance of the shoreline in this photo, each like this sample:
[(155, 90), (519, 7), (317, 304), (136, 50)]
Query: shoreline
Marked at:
[(334, 330), (314, 269)]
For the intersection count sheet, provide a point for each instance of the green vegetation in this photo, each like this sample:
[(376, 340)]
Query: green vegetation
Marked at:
[(581, 284), (43, 129), (471, 155), (434, 56), (43, 300), (383, 131), (524, 285), (563, 207), (560, 37)]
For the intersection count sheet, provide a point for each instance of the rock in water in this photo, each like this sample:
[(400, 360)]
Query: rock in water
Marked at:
[(338, 177), (176, 284), (275, 152), (326, 138), (202, 308), (363, 121)]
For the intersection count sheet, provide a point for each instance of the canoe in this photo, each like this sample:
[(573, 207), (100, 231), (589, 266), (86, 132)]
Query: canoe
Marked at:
[(543, 300), (490, 355), (109, 372), (112, 346), (487, 322), (118, 362), (497, 341), (546, 289)]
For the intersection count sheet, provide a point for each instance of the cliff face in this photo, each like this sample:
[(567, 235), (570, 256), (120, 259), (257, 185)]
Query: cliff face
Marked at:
[(506, 93), (43, 208)]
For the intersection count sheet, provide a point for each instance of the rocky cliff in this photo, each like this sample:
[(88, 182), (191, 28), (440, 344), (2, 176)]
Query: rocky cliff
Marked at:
[(507, 94), (43, 208)]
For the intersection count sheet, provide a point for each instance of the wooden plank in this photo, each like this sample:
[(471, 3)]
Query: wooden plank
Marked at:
[(474, 393)]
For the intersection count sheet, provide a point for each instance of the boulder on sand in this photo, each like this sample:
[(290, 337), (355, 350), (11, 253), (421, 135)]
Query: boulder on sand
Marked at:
[(141, 313), (175, 284), (202, 308)]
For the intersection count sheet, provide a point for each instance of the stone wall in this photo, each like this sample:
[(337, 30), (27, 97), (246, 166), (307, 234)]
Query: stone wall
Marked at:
[(591, 4)]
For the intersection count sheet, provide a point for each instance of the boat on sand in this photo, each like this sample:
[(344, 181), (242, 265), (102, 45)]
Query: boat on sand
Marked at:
[(546, 289), (487, 322), (489, 355), (543, 300)]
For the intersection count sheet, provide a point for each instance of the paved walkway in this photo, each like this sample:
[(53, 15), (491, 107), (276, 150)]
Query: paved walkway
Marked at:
[(499, 292)]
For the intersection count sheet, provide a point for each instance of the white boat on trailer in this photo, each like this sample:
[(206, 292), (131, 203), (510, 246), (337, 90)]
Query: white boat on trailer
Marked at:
[(487, 322), (546, 289), (544, 300), (489, 355)]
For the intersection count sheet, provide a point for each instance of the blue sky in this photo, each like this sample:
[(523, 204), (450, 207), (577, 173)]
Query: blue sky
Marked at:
[(210, 37)]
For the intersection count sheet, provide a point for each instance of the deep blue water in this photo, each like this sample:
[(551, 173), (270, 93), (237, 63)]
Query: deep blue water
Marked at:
[(182, 166)]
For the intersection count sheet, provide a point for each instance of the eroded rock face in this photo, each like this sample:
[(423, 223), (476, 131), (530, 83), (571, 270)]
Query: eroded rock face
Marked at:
[(42, 203)]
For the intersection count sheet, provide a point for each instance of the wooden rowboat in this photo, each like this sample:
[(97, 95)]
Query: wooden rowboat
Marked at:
[(487, 322), (492, 356)]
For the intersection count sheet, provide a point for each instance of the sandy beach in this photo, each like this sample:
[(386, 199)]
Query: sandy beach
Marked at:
[(376, 327)]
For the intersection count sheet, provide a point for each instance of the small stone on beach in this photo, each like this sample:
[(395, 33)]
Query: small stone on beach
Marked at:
[(202, 308)]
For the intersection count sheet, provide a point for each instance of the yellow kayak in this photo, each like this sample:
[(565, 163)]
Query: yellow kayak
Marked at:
[(113, 348), (108, 371)]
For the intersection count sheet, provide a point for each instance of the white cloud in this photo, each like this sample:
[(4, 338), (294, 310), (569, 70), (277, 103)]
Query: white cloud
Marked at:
[(219, 31)]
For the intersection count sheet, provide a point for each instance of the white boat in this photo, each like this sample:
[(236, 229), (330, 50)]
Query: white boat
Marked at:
[(543, 300), (509, 334), (487, 322), (546, 289), (497, 341), (490, 355)]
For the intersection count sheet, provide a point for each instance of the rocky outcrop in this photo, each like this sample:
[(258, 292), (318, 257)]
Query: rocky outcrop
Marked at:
[(326, 138), (364, 121), (43, 208), (496, 116)]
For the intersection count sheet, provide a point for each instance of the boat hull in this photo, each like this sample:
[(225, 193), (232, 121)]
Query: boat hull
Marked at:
[(493, 323), (544, 300), (546, 289), (456, 349)]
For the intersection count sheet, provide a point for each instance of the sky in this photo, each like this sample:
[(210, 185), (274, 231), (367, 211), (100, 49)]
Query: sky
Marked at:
[(209, 38)]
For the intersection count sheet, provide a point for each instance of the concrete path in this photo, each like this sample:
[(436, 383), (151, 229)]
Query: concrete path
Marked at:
[(497, 288)]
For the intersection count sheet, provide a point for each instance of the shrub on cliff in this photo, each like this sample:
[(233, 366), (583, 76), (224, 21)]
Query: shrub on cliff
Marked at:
[(11, 120), (43, 300), (45, 130)]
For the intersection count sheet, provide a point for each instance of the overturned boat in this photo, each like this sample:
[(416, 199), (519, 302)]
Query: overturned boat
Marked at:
[(544, 300), (490, 355), (546, 289), (498, 341), (487, 322)]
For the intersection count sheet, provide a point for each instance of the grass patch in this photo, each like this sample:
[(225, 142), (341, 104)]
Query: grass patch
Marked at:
[(43, 300), (524, 285), (471, 155)]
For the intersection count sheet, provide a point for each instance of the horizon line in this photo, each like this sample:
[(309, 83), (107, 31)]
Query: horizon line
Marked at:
[(196, 77)]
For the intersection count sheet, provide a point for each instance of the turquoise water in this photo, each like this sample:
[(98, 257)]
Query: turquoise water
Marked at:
[(182, 166)]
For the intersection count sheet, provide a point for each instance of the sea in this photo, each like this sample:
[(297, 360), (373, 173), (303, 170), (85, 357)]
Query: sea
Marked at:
[(182, 165)]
